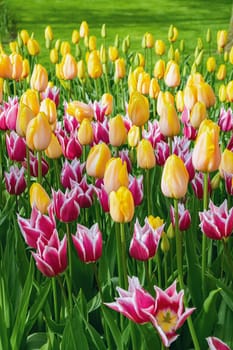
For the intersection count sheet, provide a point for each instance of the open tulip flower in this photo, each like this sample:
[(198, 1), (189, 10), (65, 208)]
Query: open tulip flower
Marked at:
[(217, 222), (65, 205), (15, 180), (71, 171), (217, 344)]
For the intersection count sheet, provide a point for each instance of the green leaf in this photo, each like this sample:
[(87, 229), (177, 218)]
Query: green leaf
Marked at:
[(21, 316), (111, 322), (36, 341), (94, 303), (95, 336), (4, 338), (150, 337)]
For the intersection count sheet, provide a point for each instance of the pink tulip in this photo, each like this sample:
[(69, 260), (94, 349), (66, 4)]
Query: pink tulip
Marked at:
[(16, 147), (170, 313), (65, 205), (88, 243), (51, 256), (2, 119), (70, 124), (37, 226), (217, 222), (145, 241), (84, 192), (217, 344), (181, 147), (230, 144), (15, 180), (136, 188), (101, 131), (153, 134), (53, 93), (102, 195), (99, 111), (70, 145), (228, 183), (226, 119), (184, 217), (136, 303), (124, 155), (198, 185), (162, 152), (188, 130), (71, 171), (34, 165), (11, 112)]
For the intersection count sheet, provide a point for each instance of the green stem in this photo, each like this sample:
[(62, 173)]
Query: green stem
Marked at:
[(165, 270), (119, 255), (56, 171), (204, 237), (124, 256), (39, 158), (133, 338), (55, 299), (70, 275), (148, 192), (97, 280), (63, 293), (1, 169), (28, 175), (157, 257)]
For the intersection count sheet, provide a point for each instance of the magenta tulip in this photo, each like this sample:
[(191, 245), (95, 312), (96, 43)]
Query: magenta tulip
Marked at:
[(16, 147), (71, 171), (15, 180), (217, 344), (225, 120), (184, 217), (65, 205)]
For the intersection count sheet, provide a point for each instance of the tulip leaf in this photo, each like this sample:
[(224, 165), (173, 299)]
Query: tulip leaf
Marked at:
[(94, 303), (36, 341), (95, 336), (4, 338), (113, 328), (150, 337)]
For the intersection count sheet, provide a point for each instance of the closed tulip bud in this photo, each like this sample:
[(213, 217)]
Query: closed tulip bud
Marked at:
[(14, 47), (39, 78), (85, 132), (103, 31), (115, 175), (5, 66), (179, 100), (17, 66), (30, 99), (33, 47), (165, 245), (97, 159), (231, 55), (48, 106), (198, 114), (143, 84), (81, 68), (199, 58), (208, 36), (75, 36), (65, 48), (175, 178), (84, 29), (170, 231), (121, 205), (54, 150), (24, 36), (69, 67), (107, 100), (177, 56), (159, 69), (215, 182), (113, 53), (190, 96), (53, 56), (222, 37), (15, 181), (57, 44), (169, 121), (120, 69), (138, 109), (172, 74), (48, 36), (222, 72), (92, 42), (149, 40), (222, 93), (226, 164), (38, 133), (103, 56), (133, 136), (25, 115), (206, 94), (211, 64), (159, 47), (206, 155), (145, 155), (171, 53), (39, 198), (154, 88), (172, 34), (182, 46), (26, 69), (125, 44), (229, 91), (164, 98), (94, 66), (117, 131)]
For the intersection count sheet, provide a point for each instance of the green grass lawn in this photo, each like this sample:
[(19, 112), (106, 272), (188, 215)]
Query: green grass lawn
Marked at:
[(192, 18)]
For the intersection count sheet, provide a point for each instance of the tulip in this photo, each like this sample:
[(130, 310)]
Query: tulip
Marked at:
[(71, 171), (217, 222), (162, 152), (164, 98), (172, 74), (34, 166), (5, 66), (179, 100), (48, 33), (138, 109), (101, 131), (83, 31), (10, 111), (211, 64), (175, 178), (134, 136), (38, 133), (1, 89), (113, 53), (75, 36), (39, 198), (97, 160), (120, 69), (88, 243), (172, 33), (54, 150), (16, 147), (92, 43), (206, 94), (159, 69), (33, 47), (53, 56), (117, 131), (226, 164), (225, 121), (229, 91), (26, 69), (221, 39), (136, 188), (154, 88), (30, 99), (217, 344), (94, 66), (17, 65), (121, 205), (170, 313), (71, 148), (48, 106), (65, 205), (198, 185), (169, 122), (65, 48), (136, 304), (197, 114), (107, 100), (229, 183), (24, 36), (143, 84), (115, 175), (102, 195), (206, 153), (15, 180), (159, 47), (85, 132), (145, 155), (222, 72), (145, 241), (51, 92), (80, 110), (190, 96), (184, 217), (51, 256)]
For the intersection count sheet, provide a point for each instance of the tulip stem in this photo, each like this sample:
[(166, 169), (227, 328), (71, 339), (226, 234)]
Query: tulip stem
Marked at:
[(204, 237), (55, 299), (180, 271), (119, 254), (1, 170), (124, 257), (39, 158), (148, 192), (63, 293), (69, 277), (28, 175)]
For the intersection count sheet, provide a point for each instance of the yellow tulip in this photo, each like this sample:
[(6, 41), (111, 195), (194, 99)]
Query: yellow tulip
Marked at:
[(17, 66), (39, 78), (222, 93), (198, 114), (33, 47), (172, 33), (38, 133), (81, 68), (92, 42), (172, 74), (159, 47), (30, 98), (169, 121), (26, 69), (48, 33), (226, 164), (159, 69), (5, 66), (149, 40), (115, 175), (143, 84), (222, 72), (48, 106), (97, 159), (65, 48), (120, 69), (75, 36), (121, 205), (1, 89), (25, 115), (206, 94), (53, 56), (231, 55), (179, 100), (24, 36), (69, 67), (94, 66), (154, 88), (117, 131), (107, 100), (39, 198), (221, 39), (84, 29), (133, 136), (175, 178), (80, 110), (229, 91), (190, 96), (211, 64), (145, 155), (85, 132), (54, 150), (113, 53), (206, 155), (138, 109)]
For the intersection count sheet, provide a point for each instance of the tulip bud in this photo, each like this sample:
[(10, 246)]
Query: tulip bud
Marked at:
[(113, 53), (222, 93), (53, 56), (145, 155), (39, 78), (69, 67), (134, 136), (94, 65), (117, 131), (115, 175), (26, 69), (120, 69), (211, 64), (39, 198), (215, 182), (179, 99), (172, 33), (33, 47), (75, 36), (170, 231), (54, 150), (5, 66), (92, 42), (103, 31), (159, 47), (121, 205), (107, 100), (208, 36), (85, 132), (48, 106), (97, 160), (38, 133), (84, 29), (138, 109), (159, 69), (81, 69), (169, 121), (231, 55), (15, 181), (198, 114), (226, 164), (154, 88), (165, 245), (24, 36), (17, 66), (222, 37), (172, 74), (229, 91), (222, 71)]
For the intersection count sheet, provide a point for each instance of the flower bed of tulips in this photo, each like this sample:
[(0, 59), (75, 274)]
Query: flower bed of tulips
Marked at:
[(116, 184)]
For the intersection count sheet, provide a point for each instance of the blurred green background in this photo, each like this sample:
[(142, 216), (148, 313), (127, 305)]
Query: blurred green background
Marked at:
[(192, 18)]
